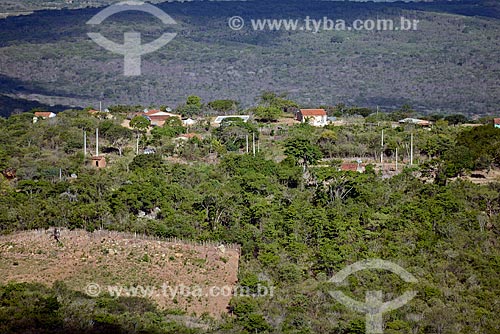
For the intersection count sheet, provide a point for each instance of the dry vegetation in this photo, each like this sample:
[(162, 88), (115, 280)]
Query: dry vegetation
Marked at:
[(112, 258)]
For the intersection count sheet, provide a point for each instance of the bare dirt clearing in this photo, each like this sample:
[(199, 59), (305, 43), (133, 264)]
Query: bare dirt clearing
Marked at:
[(120, 259)]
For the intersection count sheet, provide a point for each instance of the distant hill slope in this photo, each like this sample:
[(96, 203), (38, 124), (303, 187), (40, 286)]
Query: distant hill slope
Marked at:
[(117, 259), (450, 64), (7, 6), (14, 6), (10, 105)]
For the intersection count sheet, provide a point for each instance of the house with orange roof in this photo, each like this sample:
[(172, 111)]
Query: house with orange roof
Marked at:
[(43, 115), (496, 122), (315, 117), (158, 117)]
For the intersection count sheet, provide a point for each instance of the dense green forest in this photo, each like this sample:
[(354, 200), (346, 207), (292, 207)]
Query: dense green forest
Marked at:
[(298, 219)]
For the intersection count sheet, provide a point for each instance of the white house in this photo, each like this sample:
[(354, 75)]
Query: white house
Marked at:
[(219, 119), (43, 115), (415, 121), (316, 117), (188, 122)]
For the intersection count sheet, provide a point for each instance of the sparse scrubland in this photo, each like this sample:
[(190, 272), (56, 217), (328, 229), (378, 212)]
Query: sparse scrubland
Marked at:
[(297, 219), (266, 205)]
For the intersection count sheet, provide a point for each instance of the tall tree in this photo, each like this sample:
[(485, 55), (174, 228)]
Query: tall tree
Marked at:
[(303, 150), (118, 136), (140, 123), (267, 114), (271, 99), (194, 100)]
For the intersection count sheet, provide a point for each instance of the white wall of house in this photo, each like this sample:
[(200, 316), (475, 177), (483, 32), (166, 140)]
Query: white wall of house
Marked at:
[(316, 120)]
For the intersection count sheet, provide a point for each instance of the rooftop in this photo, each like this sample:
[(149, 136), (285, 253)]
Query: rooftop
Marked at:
[(219, 119), (313, 112), (44, 114)]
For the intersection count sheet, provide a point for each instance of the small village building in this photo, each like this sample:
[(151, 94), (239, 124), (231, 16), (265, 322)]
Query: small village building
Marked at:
[(188, 122), (416, 121), (496, 122), (158, 118), (99, 161), (352, 167), (43, 115), (315, 117), (218, 120)]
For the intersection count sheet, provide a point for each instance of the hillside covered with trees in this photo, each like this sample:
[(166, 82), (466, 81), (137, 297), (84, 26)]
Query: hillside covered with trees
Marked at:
[(297, 217)]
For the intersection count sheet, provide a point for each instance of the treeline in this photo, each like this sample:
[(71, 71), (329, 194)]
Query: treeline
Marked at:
[(34, 308)]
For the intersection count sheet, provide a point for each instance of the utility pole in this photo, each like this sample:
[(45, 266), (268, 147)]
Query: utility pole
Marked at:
[(411, 149), (396, 159), (100, 106), (382, 151), (137, 145), (84, 143), (97, 142), (253, 142), (247, 143)]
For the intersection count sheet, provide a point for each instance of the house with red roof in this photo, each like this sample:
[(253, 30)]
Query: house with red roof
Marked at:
[(496, 122), (315, 117), (43, 115), (352, 167), (158, 117)]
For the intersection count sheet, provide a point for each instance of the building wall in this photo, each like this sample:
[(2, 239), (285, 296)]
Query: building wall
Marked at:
[(99, 162), (317, 120)]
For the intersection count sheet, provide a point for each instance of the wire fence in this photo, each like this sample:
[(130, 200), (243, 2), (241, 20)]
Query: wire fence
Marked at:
[(133, 236)]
